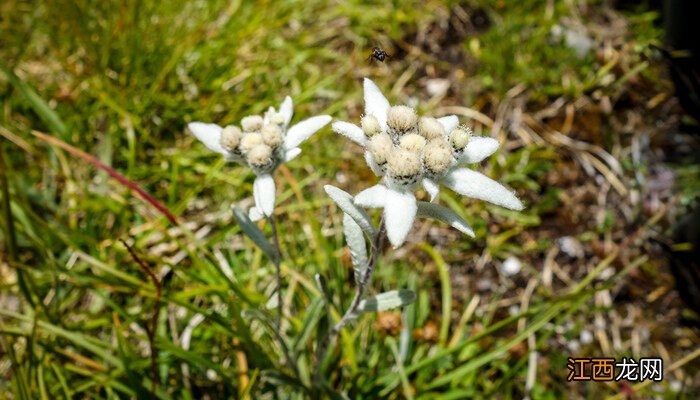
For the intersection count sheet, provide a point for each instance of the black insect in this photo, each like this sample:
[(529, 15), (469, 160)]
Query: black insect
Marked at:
[(379, 55)]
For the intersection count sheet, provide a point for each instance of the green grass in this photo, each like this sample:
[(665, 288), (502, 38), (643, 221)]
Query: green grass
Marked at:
[(121, 80)]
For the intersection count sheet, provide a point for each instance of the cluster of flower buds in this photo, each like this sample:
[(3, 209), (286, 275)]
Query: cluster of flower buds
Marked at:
[(412, 147), (258, 145)]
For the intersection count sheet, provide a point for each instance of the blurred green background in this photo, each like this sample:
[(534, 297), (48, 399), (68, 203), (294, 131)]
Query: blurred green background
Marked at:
[(591, 141)]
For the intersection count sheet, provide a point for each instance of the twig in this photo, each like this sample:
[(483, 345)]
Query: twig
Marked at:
[(637, 387), (153, 324), (242, 363)]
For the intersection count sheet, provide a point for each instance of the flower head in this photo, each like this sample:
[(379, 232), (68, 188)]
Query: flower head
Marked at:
[(407, 151), (262, 143)]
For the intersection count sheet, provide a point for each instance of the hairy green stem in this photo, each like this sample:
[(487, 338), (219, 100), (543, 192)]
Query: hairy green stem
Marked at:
[(350, 314), (364, 281), (278, 270)]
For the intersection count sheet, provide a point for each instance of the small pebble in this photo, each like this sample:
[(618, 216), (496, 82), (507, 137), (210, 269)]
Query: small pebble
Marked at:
[(586, 337), (511, 266)]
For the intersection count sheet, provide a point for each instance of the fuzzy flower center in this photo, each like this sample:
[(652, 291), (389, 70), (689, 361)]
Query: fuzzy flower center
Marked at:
[(401, 120), (258, 145), (412, 147), (370, 125), (231, 138), (459, 138)]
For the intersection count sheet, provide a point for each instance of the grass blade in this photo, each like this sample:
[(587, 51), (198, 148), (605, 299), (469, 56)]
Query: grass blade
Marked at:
[(112, 172), (49, 116)]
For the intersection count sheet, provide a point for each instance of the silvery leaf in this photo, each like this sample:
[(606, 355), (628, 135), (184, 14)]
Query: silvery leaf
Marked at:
[(345, 202), (358, 250), (444, 214), (253, 232), (387, 301)]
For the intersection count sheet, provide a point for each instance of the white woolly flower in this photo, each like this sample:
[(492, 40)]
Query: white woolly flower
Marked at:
[(406, 151), (261, 143)]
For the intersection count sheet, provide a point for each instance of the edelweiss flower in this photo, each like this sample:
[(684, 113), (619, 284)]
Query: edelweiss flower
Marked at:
[(261, 143), (408, 151)]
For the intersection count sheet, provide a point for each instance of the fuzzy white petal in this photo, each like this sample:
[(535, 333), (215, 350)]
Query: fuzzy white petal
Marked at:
[(291, 154), (287, 110), (399, 214), (268, 114), (449, 122), (444, 214), (478, 186), (264, 194), (255, 214), (478, 149), (209, 134), (298, 133), (375, 103), (350, 131), (431, 187), (374, 197)]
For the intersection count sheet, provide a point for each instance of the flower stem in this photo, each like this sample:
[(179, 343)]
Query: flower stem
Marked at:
[(322, 349), (364, 280), (278, 272)]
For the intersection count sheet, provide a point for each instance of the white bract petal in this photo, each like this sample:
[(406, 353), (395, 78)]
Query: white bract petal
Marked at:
[(303, 130), (287, 110), (291, 154), (449, 122), (374, 197), (255, 214), (444, 214), (350, 131), (209, 134), (375, 103), (266, 118), (478, 149), (478, 186), (399, 214), (431, 187), (264, 194)]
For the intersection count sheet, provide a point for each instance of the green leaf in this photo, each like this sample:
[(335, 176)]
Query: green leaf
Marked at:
[(253, 232), (323, 287), (445, 290), (358, 249), (194, 359), (387, 301), (476, 362), (310, 322), (344, 201)]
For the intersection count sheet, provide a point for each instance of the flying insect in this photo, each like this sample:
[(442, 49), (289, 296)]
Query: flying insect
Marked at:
[(379, 55)]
